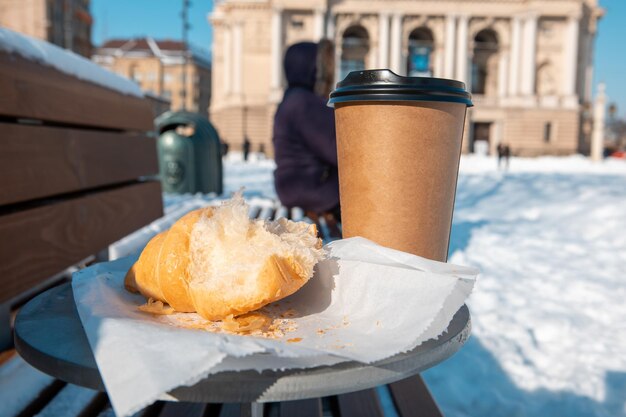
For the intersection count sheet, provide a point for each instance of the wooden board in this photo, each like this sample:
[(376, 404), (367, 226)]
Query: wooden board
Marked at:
[(41, 161), (179, 409), (301, 408), (363, 403), (41, 241), (33, 91), (413, 399)]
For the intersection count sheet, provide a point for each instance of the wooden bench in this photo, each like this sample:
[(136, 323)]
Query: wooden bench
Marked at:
[(74, 161)]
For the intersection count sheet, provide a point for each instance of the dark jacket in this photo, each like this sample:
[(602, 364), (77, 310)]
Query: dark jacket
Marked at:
[(304, 138)]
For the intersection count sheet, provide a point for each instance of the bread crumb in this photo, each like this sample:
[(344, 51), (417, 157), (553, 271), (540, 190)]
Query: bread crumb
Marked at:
[(266, 323), (246, 323), (294, 340), (156, 307)]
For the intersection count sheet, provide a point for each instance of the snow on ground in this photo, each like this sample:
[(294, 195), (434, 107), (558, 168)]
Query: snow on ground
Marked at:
[(20, 384), (255, 176), (68, 402), (548, 312), (65, 61)]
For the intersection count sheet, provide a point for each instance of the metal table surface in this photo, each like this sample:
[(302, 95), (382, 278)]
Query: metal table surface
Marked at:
[(49, 335)]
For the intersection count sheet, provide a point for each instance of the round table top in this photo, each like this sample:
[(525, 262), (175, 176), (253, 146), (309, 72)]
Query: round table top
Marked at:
[(50, 336)]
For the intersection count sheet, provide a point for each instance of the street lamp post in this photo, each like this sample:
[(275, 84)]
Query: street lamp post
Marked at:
[(186, 26)]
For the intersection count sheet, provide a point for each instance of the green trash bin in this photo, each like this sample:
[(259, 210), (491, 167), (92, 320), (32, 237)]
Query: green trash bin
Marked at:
[(190, 154)]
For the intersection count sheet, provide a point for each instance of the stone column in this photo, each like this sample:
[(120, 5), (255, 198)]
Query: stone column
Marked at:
[(528, 64), (277, 53), (330, 27), (396, 44), (588, 68), (383, 40), (438, 65), (570, 66), (503, 72), (228, 60), (237, 57), (461, 49), (333, 21), (516, 35), (597, 135), (318, 24), (448, 68)]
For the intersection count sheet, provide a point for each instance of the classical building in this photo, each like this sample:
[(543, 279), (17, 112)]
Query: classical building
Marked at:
[(158, 66), (528, 63), (66, 23)]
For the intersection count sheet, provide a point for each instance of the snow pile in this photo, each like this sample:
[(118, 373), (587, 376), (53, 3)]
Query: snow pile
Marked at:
[(66, 61)]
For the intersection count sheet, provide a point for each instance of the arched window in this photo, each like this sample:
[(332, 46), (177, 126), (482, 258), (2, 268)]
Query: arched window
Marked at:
[(354, 49), (485, 62), (420, 52), (545, 82)]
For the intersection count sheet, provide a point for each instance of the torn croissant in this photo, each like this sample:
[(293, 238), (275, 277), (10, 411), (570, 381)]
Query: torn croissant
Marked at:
[(217, 262)]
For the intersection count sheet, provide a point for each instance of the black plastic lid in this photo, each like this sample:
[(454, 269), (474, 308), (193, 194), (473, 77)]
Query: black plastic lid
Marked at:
[(384, 85)]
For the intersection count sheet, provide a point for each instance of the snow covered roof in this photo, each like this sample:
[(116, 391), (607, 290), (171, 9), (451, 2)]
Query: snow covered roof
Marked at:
[(144, 44), (170, 51), (65, 61)]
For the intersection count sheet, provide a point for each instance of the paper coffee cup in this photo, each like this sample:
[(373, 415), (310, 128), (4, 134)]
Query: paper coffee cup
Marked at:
[(399, 145)]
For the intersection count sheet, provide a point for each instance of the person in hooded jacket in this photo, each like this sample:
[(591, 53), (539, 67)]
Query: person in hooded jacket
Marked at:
[(304, 133)]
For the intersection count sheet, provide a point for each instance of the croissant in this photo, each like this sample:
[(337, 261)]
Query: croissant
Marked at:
[(217, 262)]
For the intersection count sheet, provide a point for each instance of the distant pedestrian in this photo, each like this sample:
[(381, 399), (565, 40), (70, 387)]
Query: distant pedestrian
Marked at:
[(507, 155), (500, 151), (246, 148)]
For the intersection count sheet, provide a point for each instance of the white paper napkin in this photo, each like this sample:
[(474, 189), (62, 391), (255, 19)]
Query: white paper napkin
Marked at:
[(365, 303)]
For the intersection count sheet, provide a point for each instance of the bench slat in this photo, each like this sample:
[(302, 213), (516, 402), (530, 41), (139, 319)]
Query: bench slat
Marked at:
[(21, 385), (187, 409), (413, 399), (42, 161), (152, 410), (31, 90), (231, 410), (72, 400), (363, 403), (39, 242), (302, 408), (281, 211)]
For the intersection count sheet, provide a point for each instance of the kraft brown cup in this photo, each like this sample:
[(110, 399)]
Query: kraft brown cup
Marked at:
[(398, 167)]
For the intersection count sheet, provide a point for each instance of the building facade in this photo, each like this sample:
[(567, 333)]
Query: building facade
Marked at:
[(528, 63), (66, 23), (158, 66)]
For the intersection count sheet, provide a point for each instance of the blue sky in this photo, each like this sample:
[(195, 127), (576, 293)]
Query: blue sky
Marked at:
[(161, 19), (157, 18), (610, 65)]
